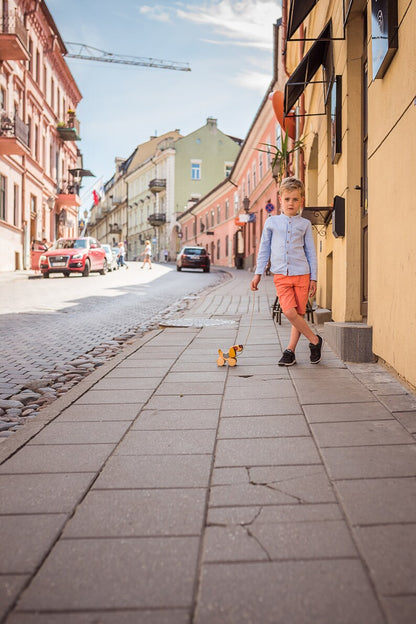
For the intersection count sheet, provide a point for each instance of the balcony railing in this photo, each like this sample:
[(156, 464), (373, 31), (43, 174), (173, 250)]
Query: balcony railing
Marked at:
[(157, 184), (14, 135), (67, 194), (13, 38), (69, 130), (156, 219)]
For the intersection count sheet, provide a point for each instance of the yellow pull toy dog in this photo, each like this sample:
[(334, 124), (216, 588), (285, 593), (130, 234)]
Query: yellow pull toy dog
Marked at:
[(231, 357)]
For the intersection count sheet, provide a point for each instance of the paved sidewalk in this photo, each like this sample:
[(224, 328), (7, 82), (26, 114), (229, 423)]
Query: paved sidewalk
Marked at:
[(166, 490)]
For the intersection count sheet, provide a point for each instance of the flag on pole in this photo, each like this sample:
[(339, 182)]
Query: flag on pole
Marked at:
[(95, 197)]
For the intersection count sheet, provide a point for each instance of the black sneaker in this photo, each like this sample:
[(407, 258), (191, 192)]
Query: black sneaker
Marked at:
[(316, 351), (288, 358)]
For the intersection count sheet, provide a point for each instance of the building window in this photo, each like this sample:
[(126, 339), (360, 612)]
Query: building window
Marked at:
[(254, 175), (207, 221), (278, 136), (228, 167), (212, 218), (15, 204), (195, 171), (218, 214), (3, 99), (269, 155), (52, 93), (186, 233), (31, 55), (45, 80), (36, 143), (218, 249), (37, 67), (227, 209), (236, 202), (260, 166), (194, 227), (248, 183), (201, 225), (226, 246), (3, 197)]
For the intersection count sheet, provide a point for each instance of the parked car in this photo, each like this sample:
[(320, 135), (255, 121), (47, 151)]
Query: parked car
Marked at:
[(74, 255), (111, 256), (193, 258)]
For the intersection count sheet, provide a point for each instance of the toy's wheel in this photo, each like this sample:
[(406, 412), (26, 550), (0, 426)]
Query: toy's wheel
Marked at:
[(232, 361), (220, 361)]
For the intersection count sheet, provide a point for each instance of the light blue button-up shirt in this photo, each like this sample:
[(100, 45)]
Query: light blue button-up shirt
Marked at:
[(288, 242)]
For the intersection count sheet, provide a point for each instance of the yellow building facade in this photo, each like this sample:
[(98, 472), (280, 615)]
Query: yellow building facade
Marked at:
[(352, 84)]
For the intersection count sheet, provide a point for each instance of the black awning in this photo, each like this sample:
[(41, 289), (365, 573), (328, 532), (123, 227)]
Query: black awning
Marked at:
[(81, 173), (319, 54), (298, 11)]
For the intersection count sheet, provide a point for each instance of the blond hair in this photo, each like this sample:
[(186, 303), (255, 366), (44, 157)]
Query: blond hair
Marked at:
[(292, 184)]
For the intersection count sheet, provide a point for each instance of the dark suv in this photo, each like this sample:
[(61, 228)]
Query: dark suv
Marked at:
[(193, 258)]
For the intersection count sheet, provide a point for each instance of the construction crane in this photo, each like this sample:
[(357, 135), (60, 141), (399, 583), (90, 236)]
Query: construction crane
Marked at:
[(88, 53)]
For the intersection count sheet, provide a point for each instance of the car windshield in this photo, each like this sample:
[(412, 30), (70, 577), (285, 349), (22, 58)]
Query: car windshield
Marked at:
[(70, 243), (194, 251)]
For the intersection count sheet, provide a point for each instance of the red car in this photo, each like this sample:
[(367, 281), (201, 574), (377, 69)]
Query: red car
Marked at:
[(74, 255)]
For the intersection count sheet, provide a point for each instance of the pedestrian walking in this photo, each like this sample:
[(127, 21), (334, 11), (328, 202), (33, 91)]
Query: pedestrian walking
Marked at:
[(147, 253), (165, 254), (287, 240), (120, 255)]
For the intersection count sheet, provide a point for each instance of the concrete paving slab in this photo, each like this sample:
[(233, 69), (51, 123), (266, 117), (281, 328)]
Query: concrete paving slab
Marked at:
[(188, 402), (359, 462), (10, 587), (100, 413), (407, 419), (266, 452), (84, 433), (270, 514), (139, 513), (181, 442), (155, 364), (391, 554), (379, 501), (195, 387), (232, 543), (305, 540), (155, 616), (26, 539), (244, 493), (306, 484), (127, 383), (155, 420), (105, 397), (344, 412), (400, 403), (196, 376), (82, 574), (263, 427), (250, 381), (133, 371), (42, 493), (401, 609), (261, 390), (255, 407), (328, 592), (155, 471), (360, 433), (324, 390), (58, 458)]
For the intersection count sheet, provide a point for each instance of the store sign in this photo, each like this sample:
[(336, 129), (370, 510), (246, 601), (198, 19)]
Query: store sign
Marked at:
[(384, 39)]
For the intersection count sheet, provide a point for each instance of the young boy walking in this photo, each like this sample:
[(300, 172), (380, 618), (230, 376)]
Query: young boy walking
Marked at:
[(287, 240)]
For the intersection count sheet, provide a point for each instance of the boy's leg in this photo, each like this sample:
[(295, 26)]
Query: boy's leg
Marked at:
[(298, 322), (294, 339)]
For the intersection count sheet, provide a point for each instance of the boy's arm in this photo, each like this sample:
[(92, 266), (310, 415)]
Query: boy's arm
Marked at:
[(310, 252)]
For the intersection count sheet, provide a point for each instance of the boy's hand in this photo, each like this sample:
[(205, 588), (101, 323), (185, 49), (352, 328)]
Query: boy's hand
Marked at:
[(312, 288), (255, 282)]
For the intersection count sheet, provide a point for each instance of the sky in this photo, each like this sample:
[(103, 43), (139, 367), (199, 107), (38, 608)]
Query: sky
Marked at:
[(227, 43)]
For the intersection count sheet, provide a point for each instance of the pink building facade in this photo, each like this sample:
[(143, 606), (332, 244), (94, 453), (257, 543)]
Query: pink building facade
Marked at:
[(40, 163)]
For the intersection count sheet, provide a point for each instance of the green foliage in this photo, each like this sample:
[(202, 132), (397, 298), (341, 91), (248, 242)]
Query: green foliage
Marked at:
[(281, 155)]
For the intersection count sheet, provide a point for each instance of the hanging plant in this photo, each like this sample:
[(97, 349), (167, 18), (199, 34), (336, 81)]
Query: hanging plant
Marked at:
[(281, 155)]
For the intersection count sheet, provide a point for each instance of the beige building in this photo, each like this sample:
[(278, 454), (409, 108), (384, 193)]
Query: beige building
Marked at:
[(352, 83), (40, 165)]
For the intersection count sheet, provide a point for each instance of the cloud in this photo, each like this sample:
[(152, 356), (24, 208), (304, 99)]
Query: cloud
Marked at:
[(241, 22), (155, 12), (253, 80)]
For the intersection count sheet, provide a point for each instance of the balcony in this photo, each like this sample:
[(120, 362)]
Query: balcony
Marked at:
[(14, 136), (156, 219), (69, 130), (157, 184), (67, 196), (13, 38)]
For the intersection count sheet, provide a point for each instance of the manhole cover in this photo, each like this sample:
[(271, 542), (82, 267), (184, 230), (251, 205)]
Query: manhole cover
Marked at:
[(195, 322)]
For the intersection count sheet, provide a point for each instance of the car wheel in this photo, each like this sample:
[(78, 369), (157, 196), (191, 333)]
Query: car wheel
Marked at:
[(104, 269), (178, 268), (46, 275), (66, 274), (86, 270), (206, 270)]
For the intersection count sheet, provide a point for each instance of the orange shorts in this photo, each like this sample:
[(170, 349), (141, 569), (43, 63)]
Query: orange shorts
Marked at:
[(293, 291)]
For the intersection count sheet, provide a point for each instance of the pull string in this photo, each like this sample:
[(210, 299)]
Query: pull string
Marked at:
[(251, 319)]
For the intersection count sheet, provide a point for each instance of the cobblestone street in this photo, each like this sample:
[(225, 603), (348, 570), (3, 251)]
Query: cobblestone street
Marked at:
[(45, 322)]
